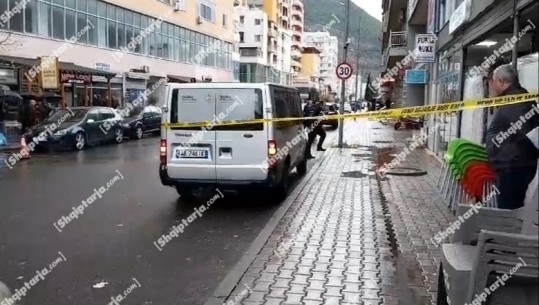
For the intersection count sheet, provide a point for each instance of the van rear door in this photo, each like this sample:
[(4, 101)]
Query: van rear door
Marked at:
[(192, 149), (241, 149)]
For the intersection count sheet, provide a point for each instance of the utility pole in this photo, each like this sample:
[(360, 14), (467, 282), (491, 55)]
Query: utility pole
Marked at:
[(357, 56), (516, 18), (343, 82)]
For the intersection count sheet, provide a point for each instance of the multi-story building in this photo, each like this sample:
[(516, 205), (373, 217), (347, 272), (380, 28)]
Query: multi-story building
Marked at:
[(254, 49), (297, 21), (329, 49), (120, 46), (279, 38), (466, 33)]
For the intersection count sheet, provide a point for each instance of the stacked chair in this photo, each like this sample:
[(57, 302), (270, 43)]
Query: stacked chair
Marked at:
[(466, 176)]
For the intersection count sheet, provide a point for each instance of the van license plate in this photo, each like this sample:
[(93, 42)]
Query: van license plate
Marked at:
[(192, 154)]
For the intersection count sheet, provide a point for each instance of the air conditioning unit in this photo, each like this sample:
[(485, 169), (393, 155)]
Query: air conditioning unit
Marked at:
[(146, 69), (199, 20), (178, 5)]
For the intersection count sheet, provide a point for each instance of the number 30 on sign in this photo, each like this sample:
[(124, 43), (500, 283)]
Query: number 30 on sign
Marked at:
[(344, 70)]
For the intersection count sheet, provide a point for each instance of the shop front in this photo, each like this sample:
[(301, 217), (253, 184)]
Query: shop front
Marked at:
[(446, 126)]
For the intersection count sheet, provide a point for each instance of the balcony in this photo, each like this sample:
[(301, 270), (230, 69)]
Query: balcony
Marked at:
[(397, 40), (295, 64), (396, 49), (272, 33), (297, 4), (296, 54), (296, 22), (272, 48)]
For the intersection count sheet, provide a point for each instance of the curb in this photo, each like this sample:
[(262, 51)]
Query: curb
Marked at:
[(230, 281)]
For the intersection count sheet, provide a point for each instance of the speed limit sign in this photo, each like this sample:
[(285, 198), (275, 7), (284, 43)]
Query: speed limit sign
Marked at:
[(344, 70)]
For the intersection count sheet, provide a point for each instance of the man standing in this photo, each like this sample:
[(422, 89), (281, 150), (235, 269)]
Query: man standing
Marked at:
[(513, 157), (315, 127)]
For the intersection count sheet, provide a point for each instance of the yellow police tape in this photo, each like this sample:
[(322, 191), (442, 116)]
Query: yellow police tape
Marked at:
[(392, 113)]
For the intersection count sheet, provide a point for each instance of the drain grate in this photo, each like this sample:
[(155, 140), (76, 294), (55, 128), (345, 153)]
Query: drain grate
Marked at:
[(405, 171), (354, 174)]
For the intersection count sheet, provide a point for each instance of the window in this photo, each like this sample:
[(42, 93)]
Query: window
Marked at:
[(93, 37), (83, 27), (242, 20), (30, 17), (280, 102), (94, 115), (102, 38), (225, 20), (207, 10), (58, 22), (258, 38), (111, 30), (44, 17), (242, 37), (258, 21)]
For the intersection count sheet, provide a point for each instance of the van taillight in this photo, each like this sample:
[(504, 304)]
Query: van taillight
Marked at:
[(272, 148), (163, 152)]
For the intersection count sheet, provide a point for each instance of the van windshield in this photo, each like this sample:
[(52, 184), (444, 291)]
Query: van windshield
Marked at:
[(216, 106)]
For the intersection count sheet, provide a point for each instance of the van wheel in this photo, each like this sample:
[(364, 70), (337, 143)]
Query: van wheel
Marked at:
[(284, 185), (185, 194), (301, 168)]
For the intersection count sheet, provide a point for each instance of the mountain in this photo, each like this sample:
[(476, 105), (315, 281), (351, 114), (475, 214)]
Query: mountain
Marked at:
[(330, 15)]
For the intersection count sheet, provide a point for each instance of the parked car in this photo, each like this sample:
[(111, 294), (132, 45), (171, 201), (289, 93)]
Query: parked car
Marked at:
[(330, 109), (140, 120), (230, 157), (79, 127)]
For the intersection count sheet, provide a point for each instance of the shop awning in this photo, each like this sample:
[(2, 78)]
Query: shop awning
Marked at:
[(17, 62), (179, 79), (73, 68), (21, 62)]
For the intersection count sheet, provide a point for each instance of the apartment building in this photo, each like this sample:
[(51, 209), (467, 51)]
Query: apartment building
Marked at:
[(466, 33), (121, 45), (329, 49), (297, 22)]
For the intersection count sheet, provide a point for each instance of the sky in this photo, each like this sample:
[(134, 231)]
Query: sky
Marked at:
[(372, 7)]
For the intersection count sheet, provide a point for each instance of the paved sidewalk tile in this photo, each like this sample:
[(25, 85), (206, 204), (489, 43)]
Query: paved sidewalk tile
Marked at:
[(352, 237)]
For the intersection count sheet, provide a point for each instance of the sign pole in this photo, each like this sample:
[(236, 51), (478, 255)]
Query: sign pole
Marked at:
[(343, 81)]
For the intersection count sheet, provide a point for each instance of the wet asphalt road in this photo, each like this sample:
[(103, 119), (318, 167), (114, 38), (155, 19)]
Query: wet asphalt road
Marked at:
[(113, 240)]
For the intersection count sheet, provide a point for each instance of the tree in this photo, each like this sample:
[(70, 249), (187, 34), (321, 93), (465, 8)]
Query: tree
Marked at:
[(369, 92), (7, 42)]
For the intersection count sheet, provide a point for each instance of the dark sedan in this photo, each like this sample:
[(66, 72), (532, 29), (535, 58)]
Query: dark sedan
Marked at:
[(140, 120), (331, 109), (77, 128)]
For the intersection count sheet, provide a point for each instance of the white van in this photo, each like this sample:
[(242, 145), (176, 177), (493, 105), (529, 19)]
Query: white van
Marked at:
[(247, 155)]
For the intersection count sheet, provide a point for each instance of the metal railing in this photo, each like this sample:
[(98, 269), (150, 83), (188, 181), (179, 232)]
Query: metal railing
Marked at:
[(397, 39)]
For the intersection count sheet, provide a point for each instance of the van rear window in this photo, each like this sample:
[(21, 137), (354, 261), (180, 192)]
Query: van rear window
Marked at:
[(217, 105)]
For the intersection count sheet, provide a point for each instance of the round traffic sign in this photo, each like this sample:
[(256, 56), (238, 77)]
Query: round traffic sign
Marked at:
[(344, 70)]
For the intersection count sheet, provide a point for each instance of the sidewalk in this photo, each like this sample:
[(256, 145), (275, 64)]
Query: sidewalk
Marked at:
[(349, 236)]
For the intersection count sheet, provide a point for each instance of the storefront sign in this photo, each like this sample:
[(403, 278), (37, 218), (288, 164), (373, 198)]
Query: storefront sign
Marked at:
[(8, 77), (49, 72), (101, 66), (416, 77), (75, 78), (460, 16), (431, 17), (425, 45)]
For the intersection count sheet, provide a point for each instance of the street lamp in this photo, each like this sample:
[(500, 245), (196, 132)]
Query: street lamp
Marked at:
[(343, 82)]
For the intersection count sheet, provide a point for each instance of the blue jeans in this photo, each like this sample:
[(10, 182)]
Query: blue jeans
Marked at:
[(512, 183)]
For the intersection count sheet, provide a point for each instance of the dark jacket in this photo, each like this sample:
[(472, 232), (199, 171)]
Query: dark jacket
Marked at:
[(312, 110), (507, 144)]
